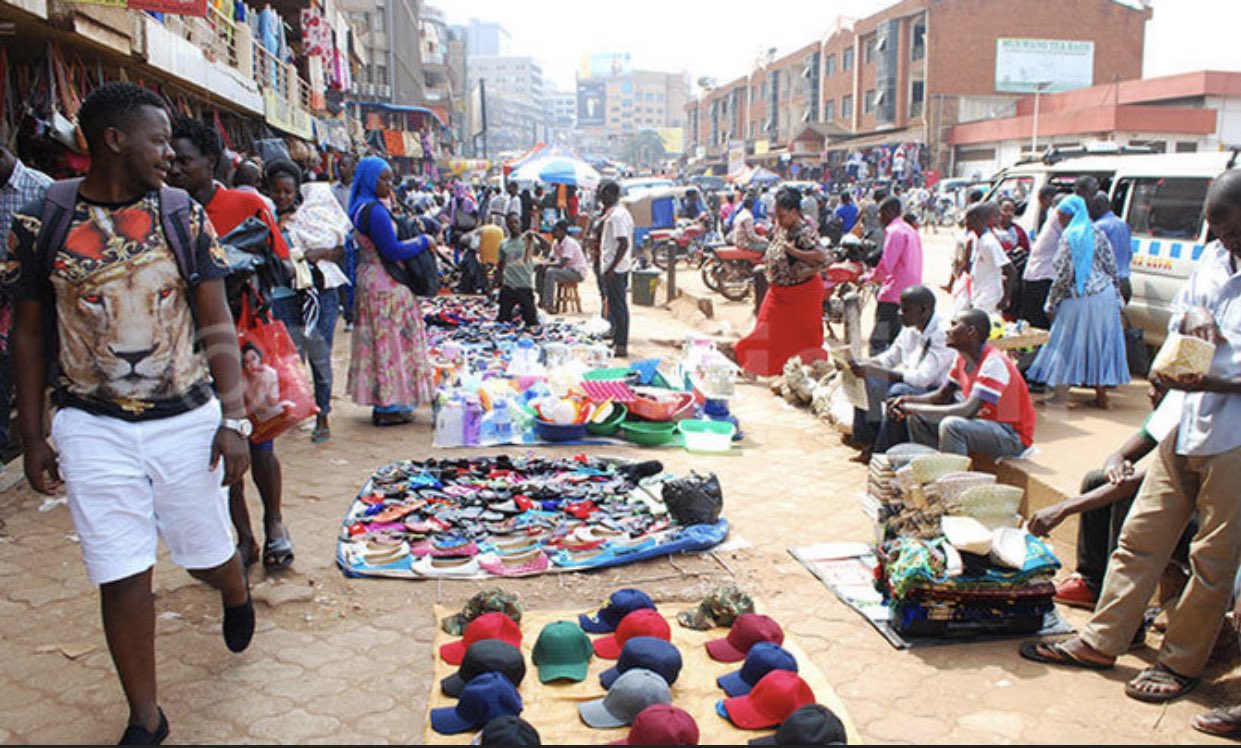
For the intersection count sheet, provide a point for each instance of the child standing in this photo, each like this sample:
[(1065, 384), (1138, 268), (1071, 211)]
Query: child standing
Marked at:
[(516, 274)]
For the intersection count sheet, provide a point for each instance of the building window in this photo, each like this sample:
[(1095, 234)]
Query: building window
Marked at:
[(846, 107), (868, 102), (917, 47), (376, 21), (846, 60), (829, 66), (869, 51), (917, 97), (381, 74), (829, 111), (1186, 146)]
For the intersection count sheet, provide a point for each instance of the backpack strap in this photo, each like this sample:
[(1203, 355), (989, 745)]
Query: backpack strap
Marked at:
[(174, 216), (58, 205)]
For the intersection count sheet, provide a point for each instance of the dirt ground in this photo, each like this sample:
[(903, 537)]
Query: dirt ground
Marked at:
[(339, 660)]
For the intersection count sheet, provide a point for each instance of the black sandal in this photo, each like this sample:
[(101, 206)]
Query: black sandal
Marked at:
[(1054, 653), (278, 554), (1157, 675)]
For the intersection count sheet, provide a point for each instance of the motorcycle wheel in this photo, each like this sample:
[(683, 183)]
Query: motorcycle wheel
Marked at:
[(710, 275), (733, 286), (660, 253)]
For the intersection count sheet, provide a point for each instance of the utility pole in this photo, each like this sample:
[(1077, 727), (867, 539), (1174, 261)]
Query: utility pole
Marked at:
[(1038, 89)]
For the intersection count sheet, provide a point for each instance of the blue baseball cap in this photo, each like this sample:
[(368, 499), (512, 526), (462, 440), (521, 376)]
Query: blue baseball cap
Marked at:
[(620, 604), (486, 697), (760, 660), (649, 653)]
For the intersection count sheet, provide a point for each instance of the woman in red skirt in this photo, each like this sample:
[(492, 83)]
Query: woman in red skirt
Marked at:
[(790, 321)]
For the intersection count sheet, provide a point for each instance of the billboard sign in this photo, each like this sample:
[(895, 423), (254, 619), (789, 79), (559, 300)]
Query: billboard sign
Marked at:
[(1045, 65), (592, 99), (610, 65), (736, 156)]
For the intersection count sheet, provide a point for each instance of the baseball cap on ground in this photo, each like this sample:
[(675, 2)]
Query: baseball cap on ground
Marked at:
[(810, 725), (746, 631), (488, 696), (719, 608), (648, 653), (662, 724), (486, 626), (760, 660), (643, 622), (487, 601), (486, 656), (776, 695), (508, 730), (562, 652), (625, 700), (620, 604)]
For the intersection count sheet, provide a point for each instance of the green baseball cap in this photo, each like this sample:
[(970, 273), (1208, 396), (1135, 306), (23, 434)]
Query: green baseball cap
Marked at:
[(562, 652), (719, 608), (487, 601)]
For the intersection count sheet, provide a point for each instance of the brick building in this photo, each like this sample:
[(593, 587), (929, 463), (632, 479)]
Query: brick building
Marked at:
[(907, 74)]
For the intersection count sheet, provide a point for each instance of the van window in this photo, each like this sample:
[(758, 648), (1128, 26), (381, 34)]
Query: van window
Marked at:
[(1017, 188), (1168, 208)]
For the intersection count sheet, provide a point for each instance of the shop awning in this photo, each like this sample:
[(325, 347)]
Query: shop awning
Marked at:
[(398, 108), (870, 140)]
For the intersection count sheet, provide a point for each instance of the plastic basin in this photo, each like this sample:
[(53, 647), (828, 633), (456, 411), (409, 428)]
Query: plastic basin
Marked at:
[(707, 436), (554, 432), (648, 434), (663, 410), (612, 425)]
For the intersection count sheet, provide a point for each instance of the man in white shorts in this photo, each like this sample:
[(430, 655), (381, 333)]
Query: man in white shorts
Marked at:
[(114, 279)]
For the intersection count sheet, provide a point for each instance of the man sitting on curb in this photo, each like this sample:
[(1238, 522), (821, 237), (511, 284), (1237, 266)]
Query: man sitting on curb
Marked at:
[(917, 363), (984, 408), (1104, 503)]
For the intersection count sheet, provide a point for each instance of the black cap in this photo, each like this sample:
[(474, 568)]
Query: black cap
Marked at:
[(509, 730), (814, 724), (486, 656)]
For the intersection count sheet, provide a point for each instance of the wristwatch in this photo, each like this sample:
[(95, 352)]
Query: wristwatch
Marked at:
[(240, 425)]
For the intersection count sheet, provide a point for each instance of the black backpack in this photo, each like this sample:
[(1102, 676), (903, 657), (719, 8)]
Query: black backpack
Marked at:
[(421, 273)]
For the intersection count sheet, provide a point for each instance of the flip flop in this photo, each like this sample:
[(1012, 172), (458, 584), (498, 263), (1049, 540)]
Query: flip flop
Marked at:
[(1224, 722), (1160, 676), (318, 436), (278, 554), (1035, 652)]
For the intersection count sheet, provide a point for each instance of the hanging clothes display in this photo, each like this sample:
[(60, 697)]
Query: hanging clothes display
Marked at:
[(394, 142), (316, 34)]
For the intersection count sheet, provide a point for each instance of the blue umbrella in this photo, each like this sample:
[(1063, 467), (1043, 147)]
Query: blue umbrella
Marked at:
[(558, 170)]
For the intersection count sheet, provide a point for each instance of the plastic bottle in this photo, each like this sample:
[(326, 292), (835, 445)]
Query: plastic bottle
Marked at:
[(503, 421), (472, 423), (450, 426)]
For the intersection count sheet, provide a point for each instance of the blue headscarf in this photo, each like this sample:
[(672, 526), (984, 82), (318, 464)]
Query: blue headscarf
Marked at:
[(1080, 236), (365, 181)]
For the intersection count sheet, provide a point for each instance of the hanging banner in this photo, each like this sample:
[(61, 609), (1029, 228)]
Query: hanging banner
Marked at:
[(105, 3), (172, 7)]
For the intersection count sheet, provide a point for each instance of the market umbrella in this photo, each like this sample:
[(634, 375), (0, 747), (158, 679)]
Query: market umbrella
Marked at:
[(558, 170), (763, 176)]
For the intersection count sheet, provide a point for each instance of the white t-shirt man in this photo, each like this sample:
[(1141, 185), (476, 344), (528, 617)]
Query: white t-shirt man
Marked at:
[(987, 273), (616, 226)]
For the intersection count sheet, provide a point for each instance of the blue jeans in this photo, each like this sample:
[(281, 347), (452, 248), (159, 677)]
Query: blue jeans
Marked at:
[(873, 426), (966, 436)]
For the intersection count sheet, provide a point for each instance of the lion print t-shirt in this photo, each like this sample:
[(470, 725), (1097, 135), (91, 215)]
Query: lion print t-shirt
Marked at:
[(124, 324)]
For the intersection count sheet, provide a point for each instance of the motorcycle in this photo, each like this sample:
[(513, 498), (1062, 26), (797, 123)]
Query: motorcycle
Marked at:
[(852, 258), (729, 270), (685, 242)]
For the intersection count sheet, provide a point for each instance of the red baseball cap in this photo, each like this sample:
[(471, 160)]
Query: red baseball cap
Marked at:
[(641, 622), (662, 724), (486, 626), (776, 695), (747, 630)]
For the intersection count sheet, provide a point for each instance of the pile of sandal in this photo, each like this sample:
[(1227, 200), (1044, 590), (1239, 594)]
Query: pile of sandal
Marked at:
[(520, 516)]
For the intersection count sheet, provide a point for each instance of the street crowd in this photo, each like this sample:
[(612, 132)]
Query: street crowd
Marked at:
[(125, 300)]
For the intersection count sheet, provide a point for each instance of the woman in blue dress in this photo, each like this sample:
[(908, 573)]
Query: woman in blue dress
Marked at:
[(1087, 344)]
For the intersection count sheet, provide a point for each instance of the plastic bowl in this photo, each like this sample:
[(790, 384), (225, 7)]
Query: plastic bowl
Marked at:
[(707, 436), (663, 410), (555, 432), (648, 434), (612, 425)]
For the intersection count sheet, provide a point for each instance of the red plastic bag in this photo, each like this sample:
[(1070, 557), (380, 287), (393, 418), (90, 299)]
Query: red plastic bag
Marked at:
[(278, 393)]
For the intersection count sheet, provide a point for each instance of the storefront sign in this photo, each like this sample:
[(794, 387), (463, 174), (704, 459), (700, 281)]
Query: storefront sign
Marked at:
[(736, 156), (1043, 65), (172, 7), (105, 3), (282, 115)]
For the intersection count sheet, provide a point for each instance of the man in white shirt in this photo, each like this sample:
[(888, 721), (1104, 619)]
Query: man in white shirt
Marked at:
[(567, 264), (615, 249), (503, 205), (916, 363), (1039, 273), (991, 273), (743, 235)]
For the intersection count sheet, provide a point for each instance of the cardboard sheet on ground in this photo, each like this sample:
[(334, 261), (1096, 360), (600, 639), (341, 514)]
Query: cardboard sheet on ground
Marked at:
[(552, 708), (853, 386), (848, 570)]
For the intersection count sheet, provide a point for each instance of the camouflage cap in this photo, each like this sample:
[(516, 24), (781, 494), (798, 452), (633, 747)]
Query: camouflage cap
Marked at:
[(487, 601), (719, 608)]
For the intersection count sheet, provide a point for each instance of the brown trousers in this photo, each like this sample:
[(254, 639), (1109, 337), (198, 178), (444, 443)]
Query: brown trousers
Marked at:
[(1175, 487)]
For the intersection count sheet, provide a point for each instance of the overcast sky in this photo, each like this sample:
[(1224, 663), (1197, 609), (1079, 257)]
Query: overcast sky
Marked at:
[(712, 39)]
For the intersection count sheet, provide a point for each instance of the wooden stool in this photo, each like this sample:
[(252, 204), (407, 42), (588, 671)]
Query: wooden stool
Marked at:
[(567, 298)]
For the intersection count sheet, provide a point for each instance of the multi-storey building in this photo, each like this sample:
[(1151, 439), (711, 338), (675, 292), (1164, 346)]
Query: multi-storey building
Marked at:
[(613, 105), (908, 74), (516, 116)]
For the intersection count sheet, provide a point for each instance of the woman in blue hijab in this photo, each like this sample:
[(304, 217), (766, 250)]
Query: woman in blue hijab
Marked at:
[(1087, 344), (389, 368)]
